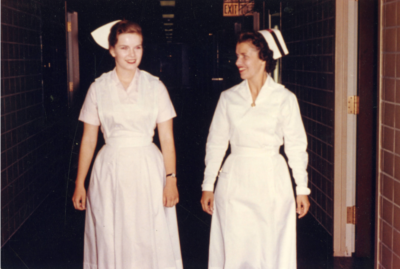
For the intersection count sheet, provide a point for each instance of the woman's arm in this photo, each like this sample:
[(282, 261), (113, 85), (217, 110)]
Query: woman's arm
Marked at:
[(166, 136), (88, 145), (296, 150), (217, 144)]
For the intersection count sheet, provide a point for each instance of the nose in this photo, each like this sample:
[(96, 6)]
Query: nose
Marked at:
[(131, 52), (238, 61)]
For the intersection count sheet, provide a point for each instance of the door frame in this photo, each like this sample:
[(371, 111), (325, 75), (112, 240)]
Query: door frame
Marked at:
[(345, 130)]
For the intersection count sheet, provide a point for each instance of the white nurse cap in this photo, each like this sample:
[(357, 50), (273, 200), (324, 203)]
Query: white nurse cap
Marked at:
[(100, 35), (275, 42)]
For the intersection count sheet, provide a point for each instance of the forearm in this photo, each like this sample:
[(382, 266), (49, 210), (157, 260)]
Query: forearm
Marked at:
[(85, 158), (168, 151), (215, 153), (166, 135)]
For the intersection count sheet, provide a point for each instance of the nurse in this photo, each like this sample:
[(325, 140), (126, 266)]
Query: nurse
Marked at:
[(253, 209), (130, 203)]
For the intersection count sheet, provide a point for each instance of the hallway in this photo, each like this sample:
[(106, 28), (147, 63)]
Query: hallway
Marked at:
[(190, 46)]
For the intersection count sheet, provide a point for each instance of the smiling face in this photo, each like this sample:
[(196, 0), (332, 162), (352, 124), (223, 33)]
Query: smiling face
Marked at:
[(249, 64), (127, 52)]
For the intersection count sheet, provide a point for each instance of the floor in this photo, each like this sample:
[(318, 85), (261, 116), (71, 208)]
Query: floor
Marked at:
[(53, 239)]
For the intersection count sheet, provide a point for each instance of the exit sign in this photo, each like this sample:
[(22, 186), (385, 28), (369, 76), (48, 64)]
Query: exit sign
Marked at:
[(234, 8)]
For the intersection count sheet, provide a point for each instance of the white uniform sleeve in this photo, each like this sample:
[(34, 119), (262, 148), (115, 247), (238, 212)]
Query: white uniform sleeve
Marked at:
[(295, 140), (89, 113), (166, 110), (217, 144)]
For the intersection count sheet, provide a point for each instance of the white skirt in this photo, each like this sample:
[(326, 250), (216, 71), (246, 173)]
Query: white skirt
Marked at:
[(254, 220), (127, 225)]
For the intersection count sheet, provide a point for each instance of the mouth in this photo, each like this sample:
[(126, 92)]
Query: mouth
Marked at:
[(241, 69), (131, 61)]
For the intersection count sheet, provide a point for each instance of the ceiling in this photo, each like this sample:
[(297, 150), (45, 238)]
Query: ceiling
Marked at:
[(192, 19)]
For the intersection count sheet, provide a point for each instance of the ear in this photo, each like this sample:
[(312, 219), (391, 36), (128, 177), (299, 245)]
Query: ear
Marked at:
[(112, 51), (264, 63)]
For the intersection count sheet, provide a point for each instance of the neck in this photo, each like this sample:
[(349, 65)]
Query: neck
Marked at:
[(256, 83), (125, 75)]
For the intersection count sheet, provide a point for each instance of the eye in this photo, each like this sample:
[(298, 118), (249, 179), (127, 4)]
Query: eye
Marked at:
[(124, 47), (139, 47)]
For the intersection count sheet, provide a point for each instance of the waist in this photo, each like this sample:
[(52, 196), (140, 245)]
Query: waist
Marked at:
[(246, 151), (129, 142)]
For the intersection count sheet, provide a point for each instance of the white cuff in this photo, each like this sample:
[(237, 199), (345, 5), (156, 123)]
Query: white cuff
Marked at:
[(302, 190), (207, 187)]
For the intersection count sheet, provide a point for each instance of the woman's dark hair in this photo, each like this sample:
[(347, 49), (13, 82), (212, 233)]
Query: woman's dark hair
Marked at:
[(123, 27), (264, 53)]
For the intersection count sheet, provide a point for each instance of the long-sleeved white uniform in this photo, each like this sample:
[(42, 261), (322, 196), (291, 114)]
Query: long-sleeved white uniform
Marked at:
[(254, 220)]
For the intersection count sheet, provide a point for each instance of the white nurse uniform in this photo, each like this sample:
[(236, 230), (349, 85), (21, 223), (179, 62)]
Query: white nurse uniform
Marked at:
[(127, 225), (254, 219)]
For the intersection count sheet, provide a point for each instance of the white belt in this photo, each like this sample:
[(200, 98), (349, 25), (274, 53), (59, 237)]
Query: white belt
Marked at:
[(246, 151), (128, 142)]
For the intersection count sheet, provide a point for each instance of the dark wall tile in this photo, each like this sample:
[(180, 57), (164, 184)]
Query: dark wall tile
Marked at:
[(23, 126), (308, 71)]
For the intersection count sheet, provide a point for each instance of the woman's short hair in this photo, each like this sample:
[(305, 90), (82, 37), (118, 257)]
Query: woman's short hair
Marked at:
[(264, 53), (123, 27)]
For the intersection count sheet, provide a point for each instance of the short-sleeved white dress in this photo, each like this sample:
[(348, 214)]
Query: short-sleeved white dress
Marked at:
[(127, 225), (254, 220)]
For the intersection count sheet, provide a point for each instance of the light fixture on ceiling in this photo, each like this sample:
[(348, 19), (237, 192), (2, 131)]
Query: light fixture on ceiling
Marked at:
[(168, 23), (168, 30), (168, 16), (167, 3)]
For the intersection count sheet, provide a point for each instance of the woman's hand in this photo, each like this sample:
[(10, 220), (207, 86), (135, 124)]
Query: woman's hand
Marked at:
[(170, 195), (79, 198), (303, 204), (207, 202)]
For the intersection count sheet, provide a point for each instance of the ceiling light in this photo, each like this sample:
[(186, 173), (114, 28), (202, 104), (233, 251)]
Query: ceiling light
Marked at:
[(168, 16), (168, 23), (167, 3), (168, 30)]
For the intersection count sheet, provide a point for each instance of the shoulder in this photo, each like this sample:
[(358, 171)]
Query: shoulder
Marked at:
[(280, 92), (99, 84), (149, 77), (103, 78), (151, 82), (234, 91)]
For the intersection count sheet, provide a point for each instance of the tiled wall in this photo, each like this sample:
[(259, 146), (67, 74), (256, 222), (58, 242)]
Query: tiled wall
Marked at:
[(308, 28), (30, 143), (389, 147)]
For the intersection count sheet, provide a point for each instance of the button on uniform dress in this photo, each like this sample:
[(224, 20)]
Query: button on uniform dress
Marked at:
[(127, 225), (254, 220)]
